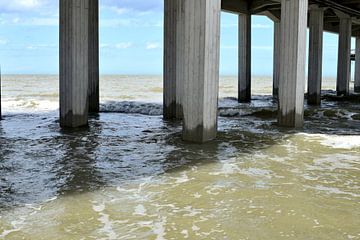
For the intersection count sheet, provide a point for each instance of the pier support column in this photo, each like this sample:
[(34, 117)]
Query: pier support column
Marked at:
[(344, 54), (0, 94), (74, 63), (316, 26), (94, 101), (357, 65), (173, 27), (201, 69), (277, 48), (244, 87), (293, 59)]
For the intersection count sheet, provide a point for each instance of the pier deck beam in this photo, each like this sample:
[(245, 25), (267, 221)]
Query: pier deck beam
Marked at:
[(293, 59), (244, 81), (344, 53), (357, 65), (173, 25), (94, 98), (316, 26), (201, 71), (276, 67), (74, 63)]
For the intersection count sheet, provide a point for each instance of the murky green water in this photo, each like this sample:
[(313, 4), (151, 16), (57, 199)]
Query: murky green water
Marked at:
[(129, 176)]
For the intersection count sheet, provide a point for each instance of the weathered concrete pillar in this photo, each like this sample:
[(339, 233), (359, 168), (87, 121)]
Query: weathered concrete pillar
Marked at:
[(244, 87), (316, 26), (94, 56), (74, 62), (201, 69), (357, 65), (344, 54), (0, 94), (173, 50), (277, 48), (293, 59)]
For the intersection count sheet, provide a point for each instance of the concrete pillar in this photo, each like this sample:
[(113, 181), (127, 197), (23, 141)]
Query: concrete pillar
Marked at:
[(344, 54), (173, 50), (293, 59), (277, 48), (357, 65), (201, 48), (244, 88), (94, 56), (74, 63), (0, 94), (316, 26)]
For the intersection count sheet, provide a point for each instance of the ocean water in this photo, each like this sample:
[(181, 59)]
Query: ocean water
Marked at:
[(130, 176)]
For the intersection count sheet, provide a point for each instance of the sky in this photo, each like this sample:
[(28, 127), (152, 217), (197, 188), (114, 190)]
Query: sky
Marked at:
[(131, 39)]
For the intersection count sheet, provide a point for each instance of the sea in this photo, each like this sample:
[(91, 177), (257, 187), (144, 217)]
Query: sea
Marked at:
[(129, 175)]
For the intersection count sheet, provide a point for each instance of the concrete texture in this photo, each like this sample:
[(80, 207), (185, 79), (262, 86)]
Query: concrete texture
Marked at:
[(316, 29), (344, 62), (293, 59), (244, 84), (74, 62), (201, 46)]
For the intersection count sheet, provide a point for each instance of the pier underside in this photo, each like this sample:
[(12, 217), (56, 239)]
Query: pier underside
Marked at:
[(191, 57)]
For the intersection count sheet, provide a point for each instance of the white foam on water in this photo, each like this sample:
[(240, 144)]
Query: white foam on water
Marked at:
[(104, 218), (17, 225), (342, 142), (152, 109), (140, 210), (12, 106), (182, 179), (185, 233), (334, 141), (159, 229), (334, 190)]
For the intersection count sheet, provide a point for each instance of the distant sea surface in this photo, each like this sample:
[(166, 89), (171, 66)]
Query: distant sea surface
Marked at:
[(130, 176)]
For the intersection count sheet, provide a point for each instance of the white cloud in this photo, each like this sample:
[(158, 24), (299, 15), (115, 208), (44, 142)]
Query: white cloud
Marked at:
[(118, 10), (40, 46), (104, 45), (262, 47), (121, 45), (21, 5), (153, 45), (124, 45), (261, 26), (3, 41), (135, 5)]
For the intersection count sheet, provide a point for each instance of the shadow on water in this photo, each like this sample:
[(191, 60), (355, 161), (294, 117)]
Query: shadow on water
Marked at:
[(38, 160), (76, 170)]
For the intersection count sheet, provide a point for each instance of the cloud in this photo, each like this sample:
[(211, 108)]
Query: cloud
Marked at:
[(129, 22), (22, 5), (261, 26), (32, 21), (41, 46), (121, 45), (135, 5), (262, 48), (3, 41), (153, 45), (124, 45)]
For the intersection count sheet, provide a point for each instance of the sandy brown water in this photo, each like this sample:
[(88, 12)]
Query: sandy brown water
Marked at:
[(130, 176)]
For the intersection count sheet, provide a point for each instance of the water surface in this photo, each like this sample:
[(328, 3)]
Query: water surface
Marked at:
[(130, 176)]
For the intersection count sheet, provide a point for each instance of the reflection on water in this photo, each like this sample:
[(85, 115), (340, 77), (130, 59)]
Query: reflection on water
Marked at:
[(130, 176)]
